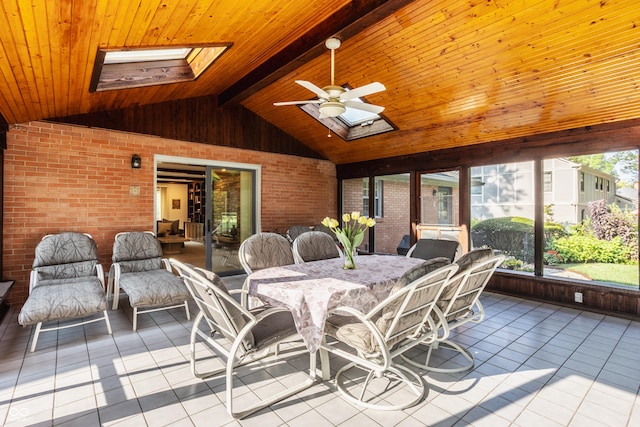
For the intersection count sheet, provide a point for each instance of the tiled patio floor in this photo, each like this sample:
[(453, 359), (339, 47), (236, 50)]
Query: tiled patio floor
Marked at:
[(536, 365)]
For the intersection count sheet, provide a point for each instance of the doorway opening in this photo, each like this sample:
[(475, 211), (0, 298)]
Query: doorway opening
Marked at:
[(204, 209)]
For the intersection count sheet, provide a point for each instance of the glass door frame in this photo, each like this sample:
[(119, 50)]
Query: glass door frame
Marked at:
[(211, 164)]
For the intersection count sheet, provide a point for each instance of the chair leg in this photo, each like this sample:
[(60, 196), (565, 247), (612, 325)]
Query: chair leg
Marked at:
[(186, 308), (135, 318), (106, 319), (36, 334), (414, 382), (311, 380), (444, 345)]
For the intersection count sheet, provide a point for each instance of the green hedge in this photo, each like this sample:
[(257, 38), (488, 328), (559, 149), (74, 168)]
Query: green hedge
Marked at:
[(512, 235), (582, 249)]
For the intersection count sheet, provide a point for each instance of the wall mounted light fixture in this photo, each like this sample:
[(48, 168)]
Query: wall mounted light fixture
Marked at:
[(136, 161)]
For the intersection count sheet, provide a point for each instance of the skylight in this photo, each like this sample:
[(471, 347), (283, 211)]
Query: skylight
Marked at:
[(129, 68), (145, 55), (353, 123), (354, 117)]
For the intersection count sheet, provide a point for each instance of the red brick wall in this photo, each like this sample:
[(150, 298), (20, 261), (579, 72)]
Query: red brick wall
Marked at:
[(61, 177), (395, 221)]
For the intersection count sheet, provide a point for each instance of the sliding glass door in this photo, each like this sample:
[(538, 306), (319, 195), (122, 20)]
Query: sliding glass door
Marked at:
[(216, 207)]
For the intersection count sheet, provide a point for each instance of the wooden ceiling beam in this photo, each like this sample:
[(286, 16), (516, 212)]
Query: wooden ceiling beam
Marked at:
[(345, 23)]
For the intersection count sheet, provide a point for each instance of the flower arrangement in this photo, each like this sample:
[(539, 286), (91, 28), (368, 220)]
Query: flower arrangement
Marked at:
[(351, 234)]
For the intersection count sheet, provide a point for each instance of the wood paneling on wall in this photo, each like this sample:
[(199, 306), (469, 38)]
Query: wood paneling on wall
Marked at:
[(623, 302), (198, 120)]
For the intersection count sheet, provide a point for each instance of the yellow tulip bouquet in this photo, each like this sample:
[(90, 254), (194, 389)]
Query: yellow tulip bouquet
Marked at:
[(351, 234)]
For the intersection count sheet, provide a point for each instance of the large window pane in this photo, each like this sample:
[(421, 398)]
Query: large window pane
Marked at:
[(503, 211), (591, 218), (439, 198)]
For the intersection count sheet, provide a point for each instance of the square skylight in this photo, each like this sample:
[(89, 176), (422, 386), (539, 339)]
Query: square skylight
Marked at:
[(353, 123), (129, 68), (145, 55)]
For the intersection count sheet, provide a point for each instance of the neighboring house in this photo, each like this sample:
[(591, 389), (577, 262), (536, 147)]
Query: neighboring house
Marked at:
[(627, 198), (508, 190)]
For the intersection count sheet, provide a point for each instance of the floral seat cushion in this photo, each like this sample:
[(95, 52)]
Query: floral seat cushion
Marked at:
[(63, 299)]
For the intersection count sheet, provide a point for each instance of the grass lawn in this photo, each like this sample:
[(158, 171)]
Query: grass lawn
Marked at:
[(613, 273)]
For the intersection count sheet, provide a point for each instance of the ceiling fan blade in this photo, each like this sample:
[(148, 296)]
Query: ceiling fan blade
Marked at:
[(310, 101), (375, 109), (363, 91), (313, 88)]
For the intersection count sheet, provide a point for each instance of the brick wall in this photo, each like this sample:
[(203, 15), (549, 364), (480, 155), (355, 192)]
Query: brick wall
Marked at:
[(70, 178)]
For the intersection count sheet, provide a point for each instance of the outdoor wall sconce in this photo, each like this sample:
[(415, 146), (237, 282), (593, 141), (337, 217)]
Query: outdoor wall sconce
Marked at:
[(136, 162), (434, 193)]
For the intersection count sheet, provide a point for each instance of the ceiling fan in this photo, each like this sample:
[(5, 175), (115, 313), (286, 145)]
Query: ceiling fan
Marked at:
[(333, 100)]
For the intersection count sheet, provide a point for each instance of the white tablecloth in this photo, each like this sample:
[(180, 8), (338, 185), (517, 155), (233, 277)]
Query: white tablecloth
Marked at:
[(312, 289)]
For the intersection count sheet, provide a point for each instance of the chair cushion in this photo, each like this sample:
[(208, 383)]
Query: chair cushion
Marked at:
[(66, 271), (136, 246), (473, 258), (164, 228), (264, 250), (467, 261), (141, 265), (63, 248), (418, 271), (351, 331), (174, 225), (153, 288), (315, 246), (65, 255), (273, 328), (433, 248), (62, 299)]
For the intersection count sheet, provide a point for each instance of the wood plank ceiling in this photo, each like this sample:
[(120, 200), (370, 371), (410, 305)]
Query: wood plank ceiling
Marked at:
[(457, 72)]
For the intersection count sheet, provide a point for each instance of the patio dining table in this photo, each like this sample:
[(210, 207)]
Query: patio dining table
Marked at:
[(311, 290)]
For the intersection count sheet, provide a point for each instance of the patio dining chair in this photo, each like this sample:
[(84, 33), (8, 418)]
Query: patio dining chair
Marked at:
[(67, 282), (458, 305), (314, 246), (140, 270), (296, 230), (264, 250), (240, 337), (400, 322), (433, 248)]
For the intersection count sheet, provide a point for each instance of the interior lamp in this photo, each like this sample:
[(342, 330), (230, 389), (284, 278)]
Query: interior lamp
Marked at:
[(332, 109), (136, 162)]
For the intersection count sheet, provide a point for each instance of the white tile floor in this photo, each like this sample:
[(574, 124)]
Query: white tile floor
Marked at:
[(536, 365)]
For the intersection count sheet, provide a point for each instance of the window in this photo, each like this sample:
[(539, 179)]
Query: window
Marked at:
[(548, 183), (503, 218), (591, 235), (129, 68), (378, 198), (476, 185), (582, 182), (439, 198)]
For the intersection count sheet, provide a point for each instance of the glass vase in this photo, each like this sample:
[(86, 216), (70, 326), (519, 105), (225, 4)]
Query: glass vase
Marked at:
[(349, 262)]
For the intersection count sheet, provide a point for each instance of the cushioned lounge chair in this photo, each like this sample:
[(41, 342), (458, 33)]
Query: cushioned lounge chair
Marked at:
[(139, 269), (67, 282)]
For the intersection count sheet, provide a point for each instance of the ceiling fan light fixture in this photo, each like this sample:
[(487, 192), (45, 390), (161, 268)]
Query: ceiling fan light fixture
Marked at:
[(332, 109)]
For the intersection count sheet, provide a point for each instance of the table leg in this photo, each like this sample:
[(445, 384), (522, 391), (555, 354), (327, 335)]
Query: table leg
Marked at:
[(324, 364)]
